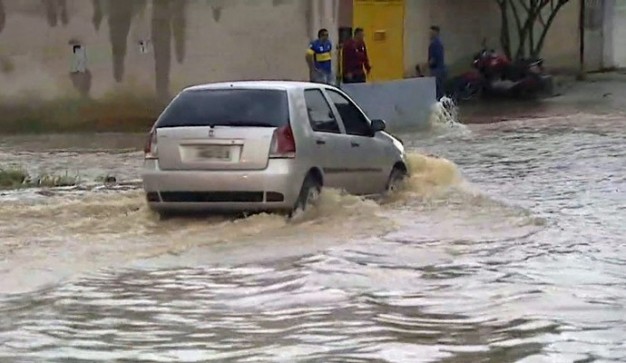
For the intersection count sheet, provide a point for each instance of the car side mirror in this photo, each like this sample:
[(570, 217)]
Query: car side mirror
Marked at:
[(378, 126)]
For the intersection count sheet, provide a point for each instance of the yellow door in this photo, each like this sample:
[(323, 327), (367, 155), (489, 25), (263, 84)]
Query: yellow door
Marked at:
[(383, 23)]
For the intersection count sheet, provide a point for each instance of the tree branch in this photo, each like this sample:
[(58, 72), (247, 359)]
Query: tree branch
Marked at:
[(535, 8), (518, 23), (518, 20), (544, 33), (505, 35), (526, 26)]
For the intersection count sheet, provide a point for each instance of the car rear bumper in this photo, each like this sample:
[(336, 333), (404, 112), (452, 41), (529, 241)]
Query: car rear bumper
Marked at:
[(275, 188)]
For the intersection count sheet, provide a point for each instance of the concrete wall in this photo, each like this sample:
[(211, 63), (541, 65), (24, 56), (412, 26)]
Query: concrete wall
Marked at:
[(345, 13), (76, 49), (147, 46), (608, 24), (465, 24), (595, 35), (562, 46), (605, 34), (150, 46), (618, 42), (404, 104)]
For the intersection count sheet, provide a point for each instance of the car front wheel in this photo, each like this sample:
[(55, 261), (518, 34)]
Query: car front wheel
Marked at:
[(396, 179)]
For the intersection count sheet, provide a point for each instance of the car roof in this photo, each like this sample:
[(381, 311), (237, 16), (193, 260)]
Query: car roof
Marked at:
[(276, 85)]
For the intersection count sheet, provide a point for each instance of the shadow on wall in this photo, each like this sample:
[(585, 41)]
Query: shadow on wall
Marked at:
[(120, 17), (56, 10), (118, 111), (168, 21), (3, 16)]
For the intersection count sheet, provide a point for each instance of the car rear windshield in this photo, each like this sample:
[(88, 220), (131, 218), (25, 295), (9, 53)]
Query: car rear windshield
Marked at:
[(227, 107)]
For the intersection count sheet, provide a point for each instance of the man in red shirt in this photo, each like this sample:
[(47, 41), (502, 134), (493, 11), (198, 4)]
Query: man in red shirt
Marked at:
[(356, 64)]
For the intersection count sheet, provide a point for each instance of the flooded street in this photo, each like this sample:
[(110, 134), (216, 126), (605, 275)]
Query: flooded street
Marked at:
[(514, 251)]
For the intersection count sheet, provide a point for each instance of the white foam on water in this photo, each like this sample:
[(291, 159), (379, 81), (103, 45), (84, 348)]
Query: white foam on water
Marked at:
[(445, 116)]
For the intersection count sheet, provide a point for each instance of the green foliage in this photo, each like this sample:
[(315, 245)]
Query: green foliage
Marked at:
[(11, 178), (16, 177)]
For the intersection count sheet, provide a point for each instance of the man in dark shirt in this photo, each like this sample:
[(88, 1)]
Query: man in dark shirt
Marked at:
[(355, 62), (436, 61)]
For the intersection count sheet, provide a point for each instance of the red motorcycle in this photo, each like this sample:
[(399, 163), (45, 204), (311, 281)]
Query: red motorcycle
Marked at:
[(494, 74)]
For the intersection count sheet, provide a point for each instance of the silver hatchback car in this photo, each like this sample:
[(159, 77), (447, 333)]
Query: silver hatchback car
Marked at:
[(265, 146)]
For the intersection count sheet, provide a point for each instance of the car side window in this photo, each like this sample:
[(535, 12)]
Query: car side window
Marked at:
[(353, 119), (321, 115)]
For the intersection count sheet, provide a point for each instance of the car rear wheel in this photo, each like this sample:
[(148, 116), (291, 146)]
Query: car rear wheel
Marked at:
[(396, 179), (309, 195)]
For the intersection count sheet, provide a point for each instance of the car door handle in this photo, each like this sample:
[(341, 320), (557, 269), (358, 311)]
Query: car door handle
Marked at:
[(355, 144), (320, 142)]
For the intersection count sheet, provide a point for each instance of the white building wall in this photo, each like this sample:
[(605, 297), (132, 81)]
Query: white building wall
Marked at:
[(618, 40)]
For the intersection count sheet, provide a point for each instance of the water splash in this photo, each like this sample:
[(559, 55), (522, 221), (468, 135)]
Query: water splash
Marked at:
[(125, 214), (431, 178), (337, 204), (100, 208), (430, 174), (89, 229), (445, 116)]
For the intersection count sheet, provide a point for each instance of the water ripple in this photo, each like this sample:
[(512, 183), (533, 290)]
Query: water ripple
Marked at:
[(522, 262)]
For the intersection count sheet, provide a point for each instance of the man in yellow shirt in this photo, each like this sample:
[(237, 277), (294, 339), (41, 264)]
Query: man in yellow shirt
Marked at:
[(319, 58)]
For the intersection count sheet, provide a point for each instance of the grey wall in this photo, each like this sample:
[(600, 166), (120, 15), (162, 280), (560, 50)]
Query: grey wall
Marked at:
[(619, 34), (404, 104)]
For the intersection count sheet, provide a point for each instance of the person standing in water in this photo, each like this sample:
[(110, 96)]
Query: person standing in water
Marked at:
[(436, 61), (319, 59)]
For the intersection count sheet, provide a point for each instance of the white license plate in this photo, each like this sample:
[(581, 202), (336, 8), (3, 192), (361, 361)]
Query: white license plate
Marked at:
[(217, 153)]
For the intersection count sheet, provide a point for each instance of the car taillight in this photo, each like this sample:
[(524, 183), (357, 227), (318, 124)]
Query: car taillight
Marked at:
[(284, 144), (150, 149)]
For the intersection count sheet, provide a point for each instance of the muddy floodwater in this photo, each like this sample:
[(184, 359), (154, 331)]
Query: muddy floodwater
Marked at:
[(510, 248)]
